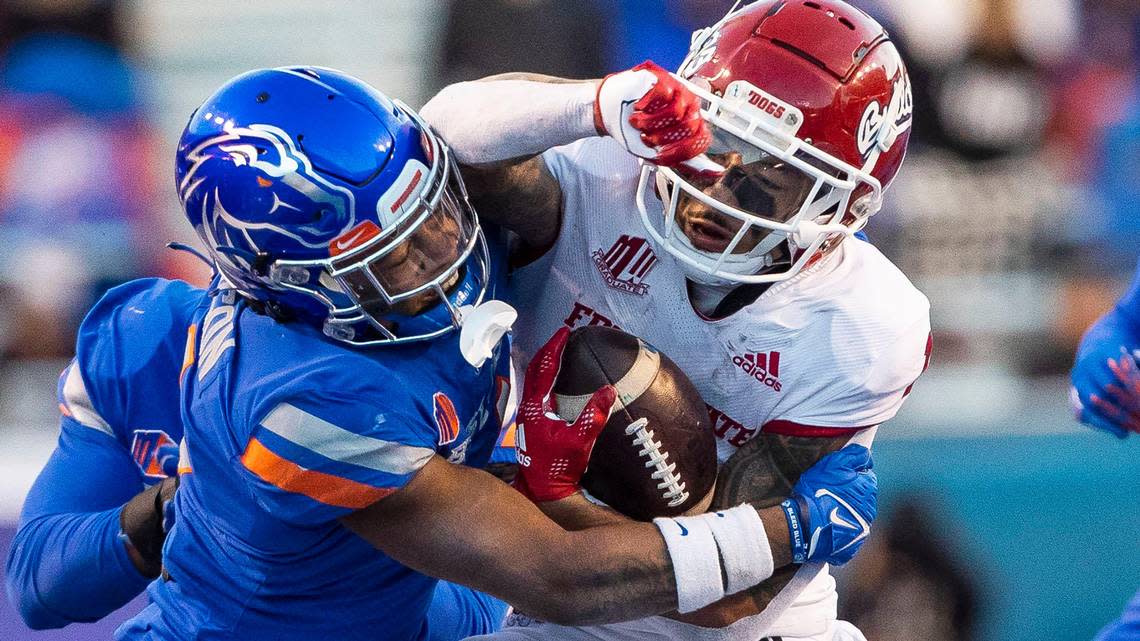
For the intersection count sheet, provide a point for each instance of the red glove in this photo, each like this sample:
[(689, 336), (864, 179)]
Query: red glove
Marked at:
[(655, 117), (552, 453)]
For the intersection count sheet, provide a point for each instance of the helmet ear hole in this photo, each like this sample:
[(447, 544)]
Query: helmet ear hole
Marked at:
[(866, 205)]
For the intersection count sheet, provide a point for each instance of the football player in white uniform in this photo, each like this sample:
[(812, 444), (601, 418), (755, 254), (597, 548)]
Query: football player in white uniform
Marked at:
[(712, 213)]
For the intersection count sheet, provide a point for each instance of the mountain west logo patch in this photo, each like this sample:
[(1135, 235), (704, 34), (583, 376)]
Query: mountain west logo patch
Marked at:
[(626, 264), (155, 453), (446, 418)]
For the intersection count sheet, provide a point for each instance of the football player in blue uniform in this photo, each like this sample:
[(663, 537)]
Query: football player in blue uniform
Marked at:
[(91, 531), (341, 378), (1106, 395)]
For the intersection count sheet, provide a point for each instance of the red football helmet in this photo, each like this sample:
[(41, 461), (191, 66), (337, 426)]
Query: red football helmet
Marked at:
[(810, 108)]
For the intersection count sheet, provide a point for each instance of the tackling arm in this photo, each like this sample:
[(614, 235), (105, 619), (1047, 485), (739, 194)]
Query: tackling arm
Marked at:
[(761, 473), (464, 525), (67, 562)]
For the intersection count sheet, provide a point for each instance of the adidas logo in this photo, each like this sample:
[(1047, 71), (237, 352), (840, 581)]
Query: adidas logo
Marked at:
[(763, 367)]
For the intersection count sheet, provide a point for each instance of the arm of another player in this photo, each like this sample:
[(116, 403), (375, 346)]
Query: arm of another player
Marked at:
[(1105, 378), (498, 126), (68, 561)]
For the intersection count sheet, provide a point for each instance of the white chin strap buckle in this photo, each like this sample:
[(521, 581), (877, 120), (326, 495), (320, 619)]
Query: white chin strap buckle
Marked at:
[(808, 232), (483, 328)]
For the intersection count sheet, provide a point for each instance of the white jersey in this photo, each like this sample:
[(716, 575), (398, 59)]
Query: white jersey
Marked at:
[(834, 349), (830, 352)]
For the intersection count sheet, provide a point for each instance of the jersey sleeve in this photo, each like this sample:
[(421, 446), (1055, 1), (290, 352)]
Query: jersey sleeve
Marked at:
[(313, 459), (128, 357), (866, 396)]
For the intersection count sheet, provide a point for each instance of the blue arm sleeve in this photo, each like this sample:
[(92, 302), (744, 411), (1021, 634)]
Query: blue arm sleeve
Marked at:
[(66, 563), (1129, 305)]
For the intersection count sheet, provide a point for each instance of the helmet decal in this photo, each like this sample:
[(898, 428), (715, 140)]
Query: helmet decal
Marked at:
[(881, 127), (277, 165), (701, 50)]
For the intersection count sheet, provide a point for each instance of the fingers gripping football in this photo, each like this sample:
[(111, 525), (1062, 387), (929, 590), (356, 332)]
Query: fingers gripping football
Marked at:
[(655, 117), (552, 453)]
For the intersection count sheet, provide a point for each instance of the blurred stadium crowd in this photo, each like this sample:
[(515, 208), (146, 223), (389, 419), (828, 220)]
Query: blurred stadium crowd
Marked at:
[(1018, 212)]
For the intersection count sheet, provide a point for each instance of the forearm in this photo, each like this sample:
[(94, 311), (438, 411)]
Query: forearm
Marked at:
[(600, 586), (454, 523), (506, 118), (65, 568), (67, 563), (576, 512)]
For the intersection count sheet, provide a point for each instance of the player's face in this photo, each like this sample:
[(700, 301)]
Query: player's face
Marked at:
[(768, 188), (428, 252)]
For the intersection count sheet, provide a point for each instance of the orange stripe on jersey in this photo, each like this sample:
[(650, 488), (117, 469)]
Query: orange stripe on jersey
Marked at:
[(191, 350), (508, 439), (325, 488), (64, 410)]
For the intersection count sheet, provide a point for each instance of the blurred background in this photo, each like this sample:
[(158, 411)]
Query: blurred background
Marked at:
[(1018, 213)]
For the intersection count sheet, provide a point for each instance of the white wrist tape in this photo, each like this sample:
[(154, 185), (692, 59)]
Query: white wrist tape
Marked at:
[(496, 120), (745, 551), (696, 561)]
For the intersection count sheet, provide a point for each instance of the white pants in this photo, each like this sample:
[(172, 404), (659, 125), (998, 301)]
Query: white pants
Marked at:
[(805, 610)]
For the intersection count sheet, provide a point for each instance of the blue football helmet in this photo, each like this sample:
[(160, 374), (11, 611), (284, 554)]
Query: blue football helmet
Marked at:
[(324, 201)]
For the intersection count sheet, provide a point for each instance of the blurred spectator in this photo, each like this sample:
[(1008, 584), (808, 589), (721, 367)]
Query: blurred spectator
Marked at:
[(910, 582), (486, 37), (983, 216), (77, 170), (1098, 86)]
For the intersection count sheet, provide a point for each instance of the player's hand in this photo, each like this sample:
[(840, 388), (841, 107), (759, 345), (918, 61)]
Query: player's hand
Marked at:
[(1105, 379), (655, 117), (144, 521), (552, 453), (832, 507)]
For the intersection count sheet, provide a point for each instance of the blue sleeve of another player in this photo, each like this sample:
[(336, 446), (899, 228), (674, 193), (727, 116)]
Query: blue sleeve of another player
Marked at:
[(458, 612), (1129, 304), (320, 457), (66, 563)]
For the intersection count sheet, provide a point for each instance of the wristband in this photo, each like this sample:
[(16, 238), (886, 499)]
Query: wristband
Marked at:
[(745, 551), (796, 529), (696, 560)]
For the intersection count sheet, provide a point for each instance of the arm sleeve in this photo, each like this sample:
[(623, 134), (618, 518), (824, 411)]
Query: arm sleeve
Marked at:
[(311, 462), (66, 563), (496, 120), (1129, 305)]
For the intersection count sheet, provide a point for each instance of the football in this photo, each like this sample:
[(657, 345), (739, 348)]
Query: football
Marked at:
[(656, 455)]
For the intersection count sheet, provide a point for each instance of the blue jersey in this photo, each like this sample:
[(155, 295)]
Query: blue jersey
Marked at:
[(285, 432)]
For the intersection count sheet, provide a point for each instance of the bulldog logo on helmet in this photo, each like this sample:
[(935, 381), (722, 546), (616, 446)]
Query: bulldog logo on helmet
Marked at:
[(881, 127)]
